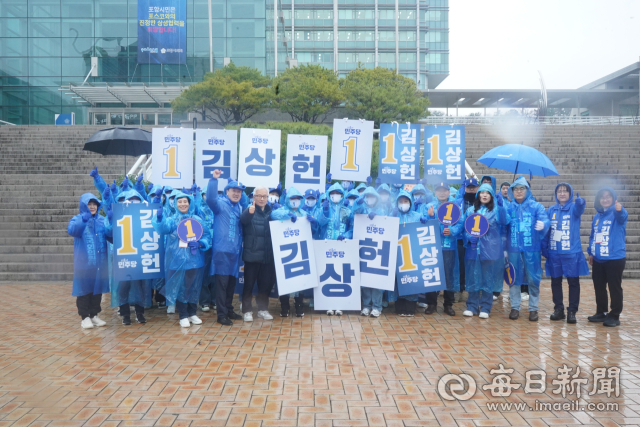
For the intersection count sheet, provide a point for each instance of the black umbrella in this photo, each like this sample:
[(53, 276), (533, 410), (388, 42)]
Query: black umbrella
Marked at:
[(120, 141)]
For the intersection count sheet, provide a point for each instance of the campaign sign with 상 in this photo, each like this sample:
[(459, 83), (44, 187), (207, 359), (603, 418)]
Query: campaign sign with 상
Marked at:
[(448, 213), (510, 274), (338, 266), (476, 225)]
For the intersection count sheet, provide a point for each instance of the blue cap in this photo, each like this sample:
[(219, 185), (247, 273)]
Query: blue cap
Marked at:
[(277, 189), (234, 184), (310, 193), (443, 185), (471, 182)]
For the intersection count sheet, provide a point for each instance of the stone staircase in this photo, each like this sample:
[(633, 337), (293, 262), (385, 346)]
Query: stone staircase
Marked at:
[(43, 172)]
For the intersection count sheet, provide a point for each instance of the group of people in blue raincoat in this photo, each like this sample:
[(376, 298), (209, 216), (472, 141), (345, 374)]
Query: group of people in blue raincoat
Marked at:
[(521, 231)]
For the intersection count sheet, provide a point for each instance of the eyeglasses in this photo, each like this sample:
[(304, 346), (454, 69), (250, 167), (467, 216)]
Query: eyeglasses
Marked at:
[(519, 189), (259, 197), (562, 192)]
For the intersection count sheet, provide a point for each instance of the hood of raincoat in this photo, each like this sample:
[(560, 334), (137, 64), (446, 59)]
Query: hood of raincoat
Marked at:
[(361, 185), (370, 191), (493, 182), (419, 188), (128, 195), (168, 189), (84, 202), (277, 189), (596, 203), (353, 194), (520, 182), (384, 187), (293, 192), (406, 194), (488, 188), (570, 192), (192, 205), (335, 187), (155, 188)]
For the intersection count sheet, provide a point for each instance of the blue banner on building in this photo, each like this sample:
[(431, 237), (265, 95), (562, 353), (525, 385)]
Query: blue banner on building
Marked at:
[(399, 161), (162, 31), (444, 154), (138, 250), (420, 266)]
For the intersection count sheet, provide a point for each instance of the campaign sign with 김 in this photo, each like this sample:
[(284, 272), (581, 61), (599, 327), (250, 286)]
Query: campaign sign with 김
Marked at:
[(294, 255), (306, 162), (138, 250), (172, 159), (351, 147), (420, 264), (338, 267), (476, 225), (509, 274), (444, 154), (377, 240), (399, 161), (216, 149), (448, 213), (259, 157)]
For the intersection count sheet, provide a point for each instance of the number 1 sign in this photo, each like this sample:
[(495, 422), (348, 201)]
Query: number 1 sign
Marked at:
[(172, 157), (351, 147)]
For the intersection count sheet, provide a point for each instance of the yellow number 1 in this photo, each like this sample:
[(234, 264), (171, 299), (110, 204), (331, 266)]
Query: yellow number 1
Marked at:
[(190, 232), (350, 161), (449, 210), (172, 162), (435, 150), (390, 155), (127, 236), (509, 274), (405, 248), (476, 225)]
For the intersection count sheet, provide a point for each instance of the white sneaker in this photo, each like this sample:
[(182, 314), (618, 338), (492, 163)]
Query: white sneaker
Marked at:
[(87, 323), (248, 316), (185, 323), (195, 320), (264, 314), (495, 298), (375, 313), (240, 306), (422, 304), (330, 313), (483, 315), (467, 313), (365, 312), (524, 296), (98, 321), (338, 313), (171, 309), (205, 308)]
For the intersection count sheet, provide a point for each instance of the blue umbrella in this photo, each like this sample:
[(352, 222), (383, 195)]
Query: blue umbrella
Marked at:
[(519, 159)]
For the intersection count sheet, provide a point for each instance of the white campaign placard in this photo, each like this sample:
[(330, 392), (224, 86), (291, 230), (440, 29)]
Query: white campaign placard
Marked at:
[(294, 255), (172, 162), (377, 240), (216, 149), (306, 162), (338, 267), (351, 147), (259, 161)]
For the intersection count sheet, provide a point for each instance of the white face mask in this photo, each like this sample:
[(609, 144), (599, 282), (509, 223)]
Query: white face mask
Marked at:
[(294, 203), (310, 202), (352, 202), (384, 197), (273, 199), (345, 184), (135, 200), (335, 198), (404, 207), (171, 202), (370, 200)]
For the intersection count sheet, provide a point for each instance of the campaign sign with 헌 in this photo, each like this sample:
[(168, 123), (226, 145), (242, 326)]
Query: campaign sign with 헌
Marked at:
[(448, 213), (377, 239), (476, 225)]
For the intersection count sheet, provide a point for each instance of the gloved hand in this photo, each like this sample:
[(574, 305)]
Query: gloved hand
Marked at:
[(346, 202), (369, 180), (126, 184), (194, 244), (372, 215), (114, 187), (474, 241), (539, 225), (149, 187), (341, 237), (360, 200), (109, 214), (159, 214), (198, 189), (86, 216), (329, 177), (500, 199), (311, 219), (94, 172), (350, 187), (139, 179), (325, 207), (275, 206), (378, 182), (416, 206), (158, 192), (293, 217), (184, 190), (579, 200), (424, 219), (107, 192)]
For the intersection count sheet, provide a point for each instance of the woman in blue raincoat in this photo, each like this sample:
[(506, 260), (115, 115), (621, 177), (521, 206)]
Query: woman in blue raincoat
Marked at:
[(608, 255), (90, 233), (528, 225), (484, 258), (563, 250), (351, 199), (185, 266)]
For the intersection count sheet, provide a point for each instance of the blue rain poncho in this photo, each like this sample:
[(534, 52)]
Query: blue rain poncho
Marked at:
[(608, 230), (314, 211), (338, 221), (351, 198), (524, 242), (421, 196), (562, 246), (493, 182), (405, 218), (450, 244), (284, 213), (484, 266), (90, 264), (387, 205), (377, 208), (362, 186), (183, 270)]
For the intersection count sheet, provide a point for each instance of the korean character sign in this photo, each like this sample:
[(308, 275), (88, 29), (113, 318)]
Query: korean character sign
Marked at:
[(172, 160), (259, 161), (399, 161), (138, 250), (351, 148), (444, 154), (306, 162), (377, 240), (294, 255), (338, 266), (420, 266), (216, 149)]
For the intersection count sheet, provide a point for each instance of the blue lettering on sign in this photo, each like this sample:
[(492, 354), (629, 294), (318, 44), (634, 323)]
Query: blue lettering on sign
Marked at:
[(332, 253), (261, 169), (375, 229), (369, 253), (290, 233), (294, 269), (352, 131), (259, 140), (307, 147), (214, 163), (337, 290), (215, 141), (171, 138), (302, 164)]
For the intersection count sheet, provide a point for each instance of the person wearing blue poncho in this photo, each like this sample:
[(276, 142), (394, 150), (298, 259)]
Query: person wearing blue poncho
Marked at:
[(421, 196), (90, 233), (563, 251), (484, 258), (385, 198), (184, 265), (608, 255), (528, 225), (350, 199), (312, 207), (208, 292)]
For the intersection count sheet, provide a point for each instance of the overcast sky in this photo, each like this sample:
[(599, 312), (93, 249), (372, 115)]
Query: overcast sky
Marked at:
[(500, 44)]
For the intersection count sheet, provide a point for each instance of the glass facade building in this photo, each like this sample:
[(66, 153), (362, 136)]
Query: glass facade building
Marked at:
[(46, 45)]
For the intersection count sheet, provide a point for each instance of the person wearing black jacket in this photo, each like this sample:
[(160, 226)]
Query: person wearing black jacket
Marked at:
[(257, 255)]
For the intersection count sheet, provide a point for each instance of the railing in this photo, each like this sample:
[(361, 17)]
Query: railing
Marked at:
[(531, 120), (142, 166), (2, 122)]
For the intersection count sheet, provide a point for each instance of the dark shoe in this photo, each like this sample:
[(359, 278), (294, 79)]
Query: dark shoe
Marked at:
[(225, 321), (449, 310), (140, 318), (571, 317), (235, 316), (597, 318), (514, 314), (611, 322), (300, 314), (284, 313), (533, 316), (162, 304), (431, 308), (558, 314), (126, 321)]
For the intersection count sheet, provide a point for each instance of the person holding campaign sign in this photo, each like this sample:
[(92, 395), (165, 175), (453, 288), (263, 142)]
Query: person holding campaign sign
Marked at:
[(484, 258), (186, 242), (528, 224)]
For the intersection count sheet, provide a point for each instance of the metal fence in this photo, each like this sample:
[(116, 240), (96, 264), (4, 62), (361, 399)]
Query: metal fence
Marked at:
[(525, 120)]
